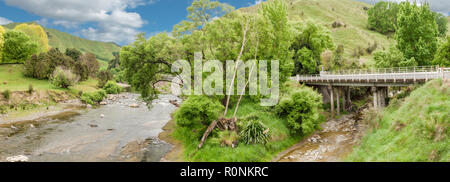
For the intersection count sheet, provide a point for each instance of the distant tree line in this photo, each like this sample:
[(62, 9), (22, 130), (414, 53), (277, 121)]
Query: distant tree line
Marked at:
[(417, 31), (19, 44)]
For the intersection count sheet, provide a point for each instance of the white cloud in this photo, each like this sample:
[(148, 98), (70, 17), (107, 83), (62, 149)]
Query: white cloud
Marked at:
[(112, 18), (258, 1), (4, 21)]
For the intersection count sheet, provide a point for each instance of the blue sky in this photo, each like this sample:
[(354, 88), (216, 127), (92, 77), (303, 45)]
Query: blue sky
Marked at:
[(118, 20), (104, 20)]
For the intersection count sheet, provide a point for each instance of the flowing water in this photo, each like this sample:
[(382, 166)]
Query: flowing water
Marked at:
[(113, 132), (331, 144)]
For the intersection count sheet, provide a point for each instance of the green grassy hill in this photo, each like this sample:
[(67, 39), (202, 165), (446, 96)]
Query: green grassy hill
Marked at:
[(62, 40), (416, 129), (349, 12)]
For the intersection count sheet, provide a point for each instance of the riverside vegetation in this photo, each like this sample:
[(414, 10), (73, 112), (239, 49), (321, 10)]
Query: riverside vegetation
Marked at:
[(305, 36)]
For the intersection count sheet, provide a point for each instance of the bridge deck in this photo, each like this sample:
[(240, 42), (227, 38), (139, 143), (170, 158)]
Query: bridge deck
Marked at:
[(380, 77)]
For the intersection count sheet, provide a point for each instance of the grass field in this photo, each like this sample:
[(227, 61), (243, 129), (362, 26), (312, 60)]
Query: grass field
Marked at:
[(416, 129), (12, 75)]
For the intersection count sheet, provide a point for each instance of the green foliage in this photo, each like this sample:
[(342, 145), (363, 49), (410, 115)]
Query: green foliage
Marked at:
[(275, 37), (310, 41), (392, 58), (103, 77), (212, 152), (17, 47), (44, 65), (441, 22), (93, 97), (92, 64), (383, 17), (144, 61), (417, 33), (30, 88), (36, 34), (417, 130), (302, 110), (114, 63), (254, 132), (74, 53), (63, 78), (2, 41), (442, 57), (112, 88), (198, 111), (6, 94), (201, 12)]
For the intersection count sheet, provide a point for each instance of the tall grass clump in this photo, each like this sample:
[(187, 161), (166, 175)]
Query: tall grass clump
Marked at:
[(6, 94), (254, 132), (416, 129)]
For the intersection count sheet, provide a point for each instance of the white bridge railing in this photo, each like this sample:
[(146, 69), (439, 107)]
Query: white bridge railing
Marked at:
[(387, 75)]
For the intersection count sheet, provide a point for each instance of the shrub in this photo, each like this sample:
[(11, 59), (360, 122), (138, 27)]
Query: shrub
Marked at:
[(302, 110), (17, 47), (30, 88), (197, 111), (112, 88), (392, 58), (103, 77), (254, 132), (442, 56), (6, 94), (94, 97), (44, 65), (63, 78)]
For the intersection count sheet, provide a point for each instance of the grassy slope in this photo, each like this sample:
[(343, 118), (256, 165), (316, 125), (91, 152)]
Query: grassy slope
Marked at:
[(242, 153), (63, 40), (350, 12), (416, 130), (16, 81), (211, 152)]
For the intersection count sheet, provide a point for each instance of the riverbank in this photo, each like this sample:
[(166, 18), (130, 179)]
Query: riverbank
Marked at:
[(112, 132), (176, 152), (330, 144), (411, 129)]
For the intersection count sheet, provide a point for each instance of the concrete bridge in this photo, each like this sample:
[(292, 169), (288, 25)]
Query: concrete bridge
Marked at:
[(338, 83)]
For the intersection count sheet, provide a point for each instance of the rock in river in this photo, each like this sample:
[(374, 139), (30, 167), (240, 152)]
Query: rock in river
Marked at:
[(133, 105), (18, 158)]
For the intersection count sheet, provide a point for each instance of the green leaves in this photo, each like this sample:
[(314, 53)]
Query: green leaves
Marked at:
[(17, 47), (417, 33), (254, 132), (310, 41), (383, 17), (197, 111), (442, 57), (392, 58), (302, 110)]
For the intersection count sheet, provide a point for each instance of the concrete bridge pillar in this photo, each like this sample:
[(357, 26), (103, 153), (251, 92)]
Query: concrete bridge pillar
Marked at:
[(349, 99), (343, 99), (375, 97), (330, 88), (379, 97), (337, 101)]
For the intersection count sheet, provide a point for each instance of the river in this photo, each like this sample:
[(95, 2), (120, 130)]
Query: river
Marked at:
[(112, 132), (332, 143)]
